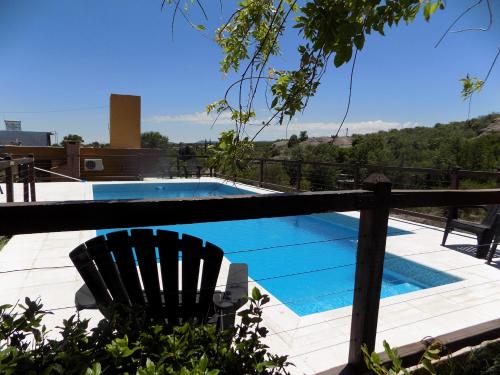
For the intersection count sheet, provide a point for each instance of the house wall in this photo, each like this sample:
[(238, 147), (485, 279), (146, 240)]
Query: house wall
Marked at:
[(119, 163), (24, 138)]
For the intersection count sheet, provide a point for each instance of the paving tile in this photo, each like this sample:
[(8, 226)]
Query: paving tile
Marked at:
[(315, 341), (60, 261), (399, 315), (12, 280), (433, 305), (6, 264), (53, 296), (50, 277)]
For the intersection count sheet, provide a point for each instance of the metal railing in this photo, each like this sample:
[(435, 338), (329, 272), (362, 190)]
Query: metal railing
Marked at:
[(374, 202), (24, 168)]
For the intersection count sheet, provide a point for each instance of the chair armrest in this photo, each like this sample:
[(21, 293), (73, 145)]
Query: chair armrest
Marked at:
[(84, 299), (496, 224), (234, 296), (236, 287), (453, 211)]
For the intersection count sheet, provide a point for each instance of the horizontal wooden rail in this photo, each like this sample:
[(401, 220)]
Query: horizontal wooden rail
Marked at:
[(10, 163), (443, 198), (268, 185), (453, 341), (21, 218), (411, 354), (473, 174), (420, 215), (18, 218), (372, 167)]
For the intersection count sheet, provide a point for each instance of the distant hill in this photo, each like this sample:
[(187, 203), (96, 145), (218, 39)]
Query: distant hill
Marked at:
[(472, 144), (492, 128)]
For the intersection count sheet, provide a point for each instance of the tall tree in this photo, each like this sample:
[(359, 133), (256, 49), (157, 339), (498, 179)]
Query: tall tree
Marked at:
[(154, 140), (72, 137), (331, 31), (303, 136)]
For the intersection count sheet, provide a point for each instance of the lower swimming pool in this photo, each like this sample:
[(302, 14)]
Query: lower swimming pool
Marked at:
[(307, 262)]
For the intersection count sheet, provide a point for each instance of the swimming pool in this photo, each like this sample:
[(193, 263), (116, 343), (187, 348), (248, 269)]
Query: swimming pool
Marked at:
[(307, 262)]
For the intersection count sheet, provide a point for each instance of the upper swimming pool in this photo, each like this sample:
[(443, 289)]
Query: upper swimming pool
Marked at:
[(307, 262)]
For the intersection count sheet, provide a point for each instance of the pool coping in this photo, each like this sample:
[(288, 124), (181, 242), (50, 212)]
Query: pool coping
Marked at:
[(315, 342)]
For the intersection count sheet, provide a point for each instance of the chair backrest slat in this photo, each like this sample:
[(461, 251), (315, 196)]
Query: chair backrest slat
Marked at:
[(143, 243), (98, 251), (212, 259), (191, 255), (90, 275), (119, 244), (168, 250)]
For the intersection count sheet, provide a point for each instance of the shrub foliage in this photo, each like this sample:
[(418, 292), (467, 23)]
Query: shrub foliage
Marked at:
[(128, 343)]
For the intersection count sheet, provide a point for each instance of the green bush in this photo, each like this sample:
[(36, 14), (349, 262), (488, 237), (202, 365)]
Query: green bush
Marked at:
[(128, 343), (482, 360)]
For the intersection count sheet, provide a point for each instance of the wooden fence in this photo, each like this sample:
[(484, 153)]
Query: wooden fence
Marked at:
[(137, 164), (25, 168), (374, 202)]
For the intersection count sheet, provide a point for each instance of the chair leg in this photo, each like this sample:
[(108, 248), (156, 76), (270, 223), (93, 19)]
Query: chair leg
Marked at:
[(493, 248), (491, 253), (445, 235), (483, 244)]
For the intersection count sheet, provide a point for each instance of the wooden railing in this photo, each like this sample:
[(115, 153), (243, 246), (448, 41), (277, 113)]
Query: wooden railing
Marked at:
[(374, 202), (356, 173), (25, 167)]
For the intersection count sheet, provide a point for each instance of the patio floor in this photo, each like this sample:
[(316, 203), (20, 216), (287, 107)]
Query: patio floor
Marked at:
[(37, 265)]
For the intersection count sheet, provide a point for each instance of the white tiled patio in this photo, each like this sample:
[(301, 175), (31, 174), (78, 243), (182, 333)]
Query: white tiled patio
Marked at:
[(37, 265)]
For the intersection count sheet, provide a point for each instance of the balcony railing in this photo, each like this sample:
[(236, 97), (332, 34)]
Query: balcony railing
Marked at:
[(373, 201)]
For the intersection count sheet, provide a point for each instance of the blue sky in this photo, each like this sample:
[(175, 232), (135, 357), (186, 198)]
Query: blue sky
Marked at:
[(62, 59)]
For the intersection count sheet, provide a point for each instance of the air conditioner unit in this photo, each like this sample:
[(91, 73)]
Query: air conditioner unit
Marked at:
[(93, 164)]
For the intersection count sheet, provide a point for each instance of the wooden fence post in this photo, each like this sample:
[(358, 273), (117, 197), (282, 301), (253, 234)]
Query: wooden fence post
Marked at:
[(9, 181), (140, 171), (454, 178), (369, 268), (356, 173), (32, 177), (23, 174), (299, 174), (261, 175), (73, 158), (454, 184)]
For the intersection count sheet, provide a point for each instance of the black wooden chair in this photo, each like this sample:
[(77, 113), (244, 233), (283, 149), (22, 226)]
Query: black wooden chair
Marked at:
[(494, 244), (142, 268), (484, 231)]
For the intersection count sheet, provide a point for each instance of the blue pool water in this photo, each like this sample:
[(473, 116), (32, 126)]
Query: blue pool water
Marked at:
[(307, 262)]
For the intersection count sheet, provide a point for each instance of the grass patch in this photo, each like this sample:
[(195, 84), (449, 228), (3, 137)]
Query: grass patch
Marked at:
[(3, 241), (480, 361)]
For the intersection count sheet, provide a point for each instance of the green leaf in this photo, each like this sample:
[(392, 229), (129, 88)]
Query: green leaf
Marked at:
[(427, 10), (94, 370), (426, 363), (359, 41), (256, 294), (434, 7), (338, 60), (200, 27)]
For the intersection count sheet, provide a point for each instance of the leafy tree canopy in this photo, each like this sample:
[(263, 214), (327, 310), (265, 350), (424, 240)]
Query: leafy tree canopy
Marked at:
[(72, 137), (154, 140), (331, 31), (293, 141)]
